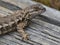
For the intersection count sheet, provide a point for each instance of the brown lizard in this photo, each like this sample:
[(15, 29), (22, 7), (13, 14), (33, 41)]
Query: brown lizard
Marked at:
[(20, 19)]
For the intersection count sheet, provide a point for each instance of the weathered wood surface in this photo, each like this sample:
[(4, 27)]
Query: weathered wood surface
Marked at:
[(44, 30)]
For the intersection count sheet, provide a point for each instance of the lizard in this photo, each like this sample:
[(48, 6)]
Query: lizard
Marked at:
[(20, 19)]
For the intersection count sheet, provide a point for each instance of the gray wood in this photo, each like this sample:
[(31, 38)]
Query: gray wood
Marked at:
[(51, 14), (2, 43), (41, 30), (9, 6)]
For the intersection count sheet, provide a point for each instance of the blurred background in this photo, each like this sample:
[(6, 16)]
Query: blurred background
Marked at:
[(51, 3)]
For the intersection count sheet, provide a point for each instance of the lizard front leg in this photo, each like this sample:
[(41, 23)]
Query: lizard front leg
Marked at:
[(21, 30)]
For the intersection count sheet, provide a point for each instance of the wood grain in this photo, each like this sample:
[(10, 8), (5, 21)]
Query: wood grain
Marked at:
[(41, 31)]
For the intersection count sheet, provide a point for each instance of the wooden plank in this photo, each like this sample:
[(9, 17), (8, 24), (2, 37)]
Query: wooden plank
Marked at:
[(8, 36), (35, 36), (13, 40), (49, 32), (50, 13), (38, 38), (9, 5), (7, 41), (54, 29), (41, 33), (18, 36), (18, 3), (2, 43), (5, 10)]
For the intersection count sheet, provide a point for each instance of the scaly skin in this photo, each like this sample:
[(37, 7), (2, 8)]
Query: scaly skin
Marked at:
[(20, 19)]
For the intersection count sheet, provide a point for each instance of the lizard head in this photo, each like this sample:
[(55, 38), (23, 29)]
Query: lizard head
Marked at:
[(35, 10), (38, 8)]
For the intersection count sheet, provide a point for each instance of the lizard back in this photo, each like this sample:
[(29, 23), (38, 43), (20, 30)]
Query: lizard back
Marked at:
[(9, 23)]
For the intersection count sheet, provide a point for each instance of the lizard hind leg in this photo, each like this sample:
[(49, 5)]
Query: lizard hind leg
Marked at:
[(21, 30)]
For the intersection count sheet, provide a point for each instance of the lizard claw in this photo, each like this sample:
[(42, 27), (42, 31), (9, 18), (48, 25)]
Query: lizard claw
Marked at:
[(25, 37)]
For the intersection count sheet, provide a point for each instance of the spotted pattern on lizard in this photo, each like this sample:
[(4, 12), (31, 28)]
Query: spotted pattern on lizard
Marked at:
[(20, 19)]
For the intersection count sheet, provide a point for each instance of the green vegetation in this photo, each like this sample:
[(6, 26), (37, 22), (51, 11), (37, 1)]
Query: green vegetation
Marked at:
[(46, 2), (51, 3)]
